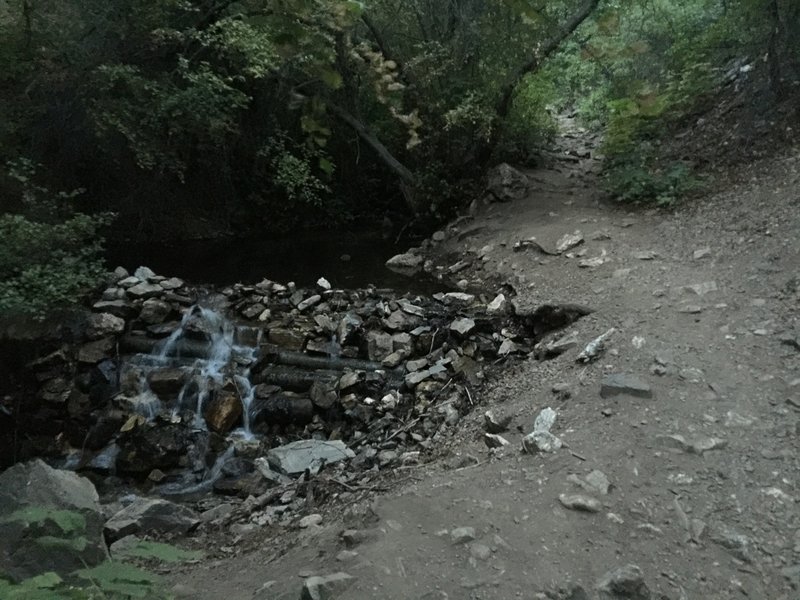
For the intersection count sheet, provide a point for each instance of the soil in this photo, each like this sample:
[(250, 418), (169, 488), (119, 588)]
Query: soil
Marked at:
[(719, 524)]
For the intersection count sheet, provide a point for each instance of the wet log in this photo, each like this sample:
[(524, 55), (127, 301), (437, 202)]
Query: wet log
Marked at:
[(281, 409), (293, 378), (184, 348), (327, 363)]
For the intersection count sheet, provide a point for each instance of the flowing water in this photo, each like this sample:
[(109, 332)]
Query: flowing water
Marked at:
[(230, 351)]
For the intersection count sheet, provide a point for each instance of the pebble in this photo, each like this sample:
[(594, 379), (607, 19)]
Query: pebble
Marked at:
[(314, 520), (624, 582), (462, 535)]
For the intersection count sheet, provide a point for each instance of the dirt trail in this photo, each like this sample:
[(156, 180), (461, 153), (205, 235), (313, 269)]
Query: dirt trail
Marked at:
[(718, 524)]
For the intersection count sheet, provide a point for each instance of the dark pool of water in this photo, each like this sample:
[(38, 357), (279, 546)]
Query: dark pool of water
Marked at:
[(302, 258)]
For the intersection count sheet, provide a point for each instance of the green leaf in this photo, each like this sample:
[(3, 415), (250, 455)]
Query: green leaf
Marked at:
[(159, 551), (67, 520), (118, 578), (326, 165), (331, 78), (77, 544)]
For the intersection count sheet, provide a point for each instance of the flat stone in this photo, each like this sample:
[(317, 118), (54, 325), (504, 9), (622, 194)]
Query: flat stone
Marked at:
[(462, 326), (294, 458), (328, 587), (624, 582), (701, 289), (145, 290), (144, 273), (118, 308), (95, 352), (379, 345), (171, 284), (459, 298), (314, 520), (580, 503), (621, 384), (498, 306), (701, 253), (167, 382), (569, 241), (406, 262), (698, 446)]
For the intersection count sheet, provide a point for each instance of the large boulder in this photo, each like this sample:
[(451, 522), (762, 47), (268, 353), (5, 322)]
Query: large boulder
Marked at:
[(149, 515), (506, 183), (151, 447), (50, 520)]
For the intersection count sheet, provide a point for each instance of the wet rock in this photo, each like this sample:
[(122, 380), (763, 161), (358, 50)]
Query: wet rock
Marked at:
[(171, 284), (28, 489), (100, 325), (494, 424), (295, 458), (580, 503), (505, 183), (223, 412), (150, 515), (167, 382), (328, 587), (349, 329), (253, 311), (97, 351), (405, 263), (149, 447), (118, 308), (621, 384), (624, 582), (462, 535), (145, 290), (287, 338)]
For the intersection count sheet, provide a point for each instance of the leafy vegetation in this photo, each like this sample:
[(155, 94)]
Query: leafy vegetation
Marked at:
[(110, 580)]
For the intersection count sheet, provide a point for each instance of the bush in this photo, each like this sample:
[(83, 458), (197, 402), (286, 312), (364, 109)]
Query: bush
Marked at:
[(50, 256)]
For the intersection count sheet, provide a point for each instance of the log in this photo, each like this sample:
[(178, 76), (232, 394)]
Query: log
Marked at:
[(184, 348), (292, 378), (281, 409), (329, 363)]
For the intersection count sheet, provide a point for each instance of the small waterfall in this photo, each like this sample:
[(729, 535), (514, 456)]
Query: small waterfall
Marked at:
[(230, 351)]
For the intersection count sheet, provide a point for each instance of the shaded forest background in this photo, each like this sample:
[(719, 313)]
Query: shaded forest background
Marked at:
[(191, 119)]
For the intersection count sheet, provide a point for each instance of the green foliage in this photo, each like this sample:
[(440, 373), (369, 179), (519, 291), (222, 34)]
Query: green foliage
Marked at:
[(68, 521), (158, 551), (636, 181), (110, 580)]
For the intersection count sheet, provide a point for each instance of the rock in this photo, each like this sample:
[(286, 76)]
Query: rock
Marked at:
[(167, 382), (346, 555), (145, 290), (541, 440), (701, 289), (738, 544), (505, 183), (253, 311), (100, 325), (127, 282), (498, 306), (118, 308), (595, 348), (349, 328), (580, 502), (458, 298), (95, 352), (507, 347), (595, 482), (462, 326), (324, 284), (645, 255), (569, 241), (550, 349), (624, 582), (223, 412), (171, 284), (699, 446), (309, 302), (701, 253), (379, 345), (480, 551), (143, 274), (287, 338), (323, 394), (243, 485), (285, 409), (314, 520), (328, 587), (407, 262), (38, 502), (493, 440), (462, 535), (494, 424), (403, 343), (295, 458), (621, 384), (154, 311), (413, 379), (149, 447), (149, 515)]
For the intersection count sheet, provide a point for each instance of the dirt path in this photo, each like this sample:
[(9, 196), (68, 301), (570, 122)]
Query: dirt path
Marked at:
[(716, 524)]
